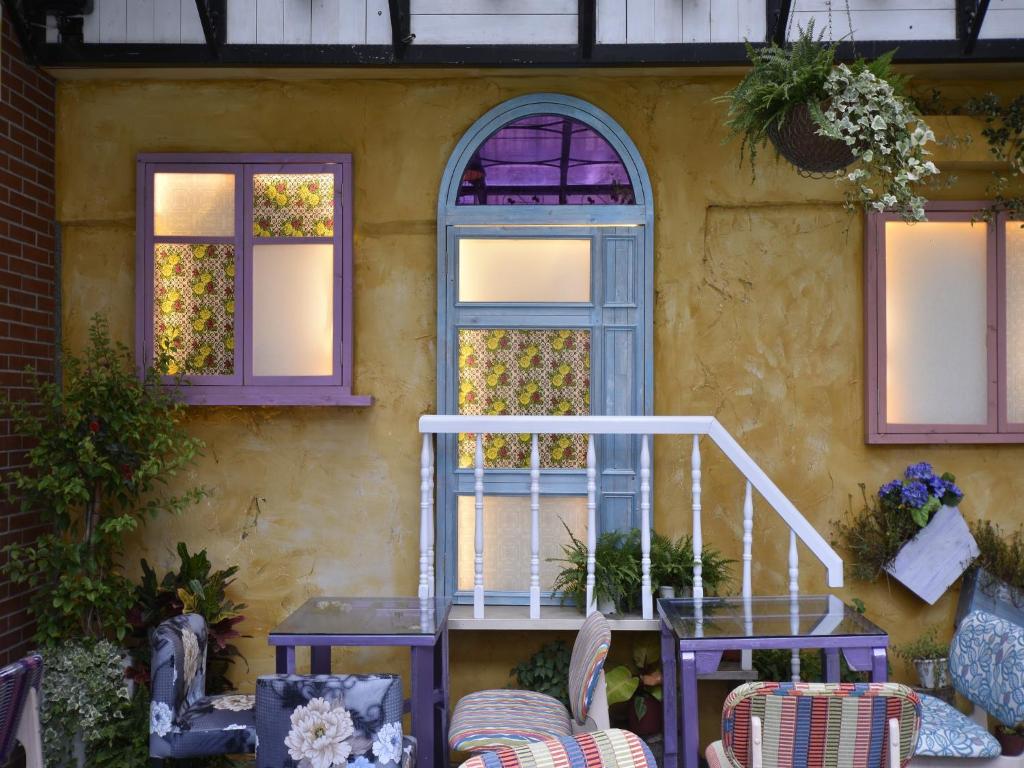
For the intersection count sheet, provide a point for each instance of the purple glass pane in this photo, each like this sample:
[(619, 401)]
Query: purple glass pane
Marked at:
[(545, 160)]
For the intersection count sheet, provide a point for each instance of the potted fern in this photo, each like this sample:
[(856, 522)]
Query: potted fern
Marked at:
[(824, 118)]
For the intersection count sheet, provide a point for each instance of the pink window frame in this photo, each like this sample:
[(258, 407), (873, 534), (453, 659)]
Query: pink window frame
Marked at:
[(878, 429), (243, 387)]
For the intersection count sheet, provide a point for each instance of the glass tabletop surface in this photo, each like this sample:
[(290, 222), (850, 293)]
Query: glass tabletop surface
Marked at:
[(366, 616), (728, 617)]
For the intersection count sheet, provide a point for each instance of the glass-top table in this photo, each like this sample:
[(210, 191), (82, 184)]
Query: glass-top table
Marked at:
[(695, 634), (421, 624), (366, 617)]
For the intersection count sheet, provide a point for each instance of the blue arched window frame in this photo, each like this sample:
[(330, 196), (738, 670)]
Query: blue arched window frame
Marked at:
[(624, 232)]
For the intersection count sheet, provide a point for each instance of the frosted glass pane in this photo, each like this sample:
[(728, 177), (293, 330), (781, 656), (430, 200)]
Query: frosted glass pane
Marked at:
[(195, 204), (495, 270), (507, 539), (524, 372), (935, 306), (293, 310), (1015, 322)]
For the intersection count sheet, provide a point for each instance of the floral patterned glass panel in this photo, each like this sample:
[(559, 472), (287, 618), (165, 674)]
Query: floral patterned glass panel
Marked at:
[(527, 372), (293, 205), (194, 307), (507, 539)]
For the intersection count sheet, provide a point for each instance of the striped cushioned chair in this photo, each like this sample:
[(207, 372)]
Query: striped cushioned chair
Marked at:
[(19, 709), (600, 749), (817, 725), (503, 718)]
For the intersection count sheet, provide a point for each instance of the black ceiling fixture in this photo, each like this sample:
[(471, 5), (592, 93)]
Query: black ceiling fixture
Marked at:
[(213, 17), (970, 16), (401, 26)]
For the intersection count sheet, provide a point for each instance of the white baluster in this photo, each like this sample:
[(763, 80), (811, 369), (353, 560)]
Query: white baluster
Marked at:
[(426, 521), (432, 527), (698, 536), (478, 560), (647, 601), (591, 523), (534, 529), (746, 656), (794, 605)]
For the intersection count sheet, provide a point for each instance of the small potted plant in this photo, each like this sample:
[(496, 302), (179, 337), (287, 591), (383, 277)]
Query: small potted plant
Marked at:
[(912, 530), (929, 658), (640, 687), (616, 572), (672, 567), (995, 582), (825, 118), (1011, 739)]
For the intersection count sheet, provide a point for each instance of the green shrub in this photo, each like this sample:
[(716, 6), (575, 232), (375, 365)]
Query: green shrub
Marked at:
[(546, 671)]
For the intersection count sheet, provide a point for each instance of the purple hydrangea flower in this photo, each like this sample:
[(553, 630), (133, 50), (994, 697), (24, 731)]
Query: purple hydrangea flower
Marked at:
[(954, 489), (938, 486), (892, 488), (914, 494), (921, 471)]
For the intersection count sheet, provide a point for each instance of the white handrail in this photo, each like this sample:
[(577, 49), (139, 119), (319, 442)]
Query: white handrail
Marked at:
[(643, 426)]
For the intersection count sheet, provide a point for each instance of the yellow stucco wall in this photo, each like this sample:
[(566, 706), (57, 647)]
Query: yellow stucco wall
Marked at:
[(758, 320)]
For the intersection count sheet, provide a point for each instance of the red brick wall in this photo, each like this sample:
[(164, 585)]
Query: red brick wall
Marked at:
[(28, 280)]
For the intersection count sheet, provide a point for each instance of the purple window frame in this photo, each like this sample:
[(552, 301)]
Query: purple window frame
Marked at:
[(243, 387), (996, 429)]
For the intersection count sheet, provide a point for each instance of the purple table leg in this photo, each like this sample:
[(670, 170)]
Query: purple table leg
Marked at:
[(441, 690), (879, 665), (831, 658), (688, 720), (320, 659), (423, 706), (285, 659), (670, 686)]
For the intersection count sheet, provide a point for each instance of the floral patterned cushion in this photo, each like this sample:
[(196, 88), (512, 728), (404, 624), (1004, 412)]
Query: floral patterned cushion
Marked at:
[(947, 732), (330, 721), (184, 721), (986, 662)]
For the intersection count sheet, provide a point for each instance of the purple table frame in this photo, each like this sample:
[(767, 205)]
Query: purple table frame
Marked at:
[(428, 704), (684, 658)]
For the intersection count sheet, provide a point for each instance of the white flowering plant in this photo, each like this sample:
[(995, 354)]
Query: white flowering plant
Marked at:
[(885, 135), (861, 105)]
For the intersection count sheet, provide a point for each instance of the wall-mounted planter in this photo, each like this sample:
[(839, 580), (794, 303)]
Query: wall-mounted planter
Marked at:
[(981, 591), (936, 557)]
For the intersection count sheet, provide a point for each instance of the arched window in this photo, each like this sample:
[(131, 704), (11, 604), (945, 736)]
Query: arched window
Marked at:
[(544, 307)]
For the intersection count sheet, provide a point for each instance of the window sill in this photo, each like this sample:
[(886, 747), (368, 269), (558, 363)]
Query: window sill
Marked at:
[(944, 438), (199, 394)]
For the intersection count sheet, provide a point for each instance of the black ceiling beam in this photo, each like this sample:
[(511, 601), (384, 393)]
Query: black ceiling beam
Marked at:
[(213, 17), (778, 20), (28, 21), (519, 56), (401, 26), (974, 21), (586, 35)]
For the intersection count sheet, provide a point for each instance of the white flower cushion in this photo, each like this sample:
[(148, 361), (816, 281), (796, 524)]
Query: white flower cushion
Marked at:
[(947, 732)]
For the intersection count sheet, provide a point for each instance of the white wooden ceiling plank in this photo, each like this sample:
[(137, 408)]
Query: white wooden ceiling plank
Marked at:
[(241, 22), (497, 29), (270, 21), (297, 22), (640, 21), (696, 21), (668, 21), (611, 21), (113, 20), (139, 27)]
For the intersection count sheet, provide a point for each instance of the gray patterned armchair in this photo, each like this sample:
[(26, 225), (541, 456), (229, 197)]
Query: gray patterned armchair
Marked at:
[(184, 721)]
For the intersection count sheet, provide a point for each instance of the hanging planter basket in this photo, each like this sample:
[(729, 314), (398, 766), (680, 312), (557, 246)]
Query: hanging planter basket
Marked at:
[(797, 140)]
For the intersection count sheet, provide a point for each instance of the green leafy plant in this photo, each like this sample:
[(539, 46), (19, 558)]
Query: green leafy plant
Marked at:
[(85, 691), (616, 570), (194, 588), (104, 446), (863, 105), (546, 671), (672, 565), (1004, 132), (1001, 554), (776, 664), (926, 646), (626, 684)]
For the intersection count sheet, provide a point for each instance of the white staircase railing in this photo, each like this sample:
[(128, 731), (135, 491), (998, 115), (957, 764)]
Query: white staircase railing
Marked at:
[(645, 427)]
